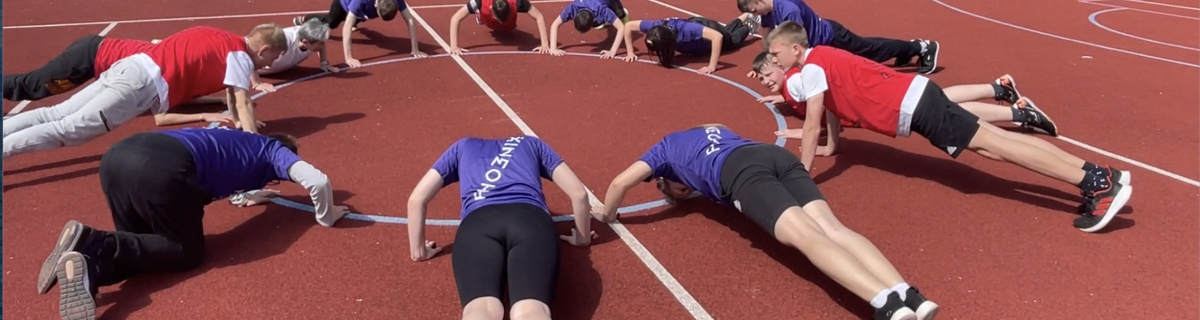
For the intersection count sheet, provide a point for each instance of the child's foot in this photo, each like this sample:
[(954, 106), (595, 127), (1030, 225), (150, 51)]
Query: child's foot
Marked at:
[(623, 20), (77, 295), (753, 22), (1010, 93), (298, 21), (1035, 119), (894, 309), (1100, 206), (929, 56), (924, 309)]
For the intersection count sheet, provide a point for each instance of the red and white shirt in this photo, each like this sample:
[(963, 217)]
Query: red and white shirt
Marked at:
[(196, 62), (111, 50), (857, 90)]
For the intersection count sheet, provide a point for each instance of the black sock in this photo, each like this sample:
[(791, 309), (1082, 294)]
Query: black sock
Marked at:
[(1018, 115), (1093, 182), (1094, 169), (998, 90)]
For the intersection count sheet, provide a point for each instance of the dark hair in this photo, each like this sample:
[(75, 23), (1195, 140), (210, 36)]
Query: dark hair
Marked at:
[(286, 140), (761, 61), (660, 40), (583, 20), (387, 9), (501, 9)]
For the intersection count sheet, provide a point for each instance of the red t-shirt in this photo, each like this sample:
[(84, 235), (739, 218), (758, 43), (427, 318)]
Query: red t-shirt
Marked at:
[(199, 61), (801, 107), (485, 15), (857, 90), (111, 50)]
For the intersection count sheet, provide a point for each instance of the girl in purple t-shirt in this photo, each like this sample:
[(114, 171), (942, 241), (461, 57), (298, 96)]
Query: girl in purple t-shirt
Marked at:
[(695, 36), (771, 187)]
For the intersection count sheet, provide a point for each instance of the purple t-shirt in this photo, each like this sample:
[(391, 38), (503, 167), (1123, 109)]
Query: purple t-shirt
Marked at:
[(498, 171), (819, 31), (230, 161), (365, 9), (689, 36), (599, 8), (694, 157)]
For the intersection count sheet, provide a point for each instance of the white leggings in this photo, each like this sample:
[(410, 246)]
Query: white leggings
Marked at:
[(117, 96)]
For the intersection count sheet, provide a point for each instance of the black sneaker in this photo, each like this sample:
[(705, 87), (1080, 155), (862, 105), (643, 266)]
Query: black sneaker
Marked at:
[(929, 58), (77, 293), (67, 241), (924, 308), (894, 309), (1035, 119), (1010, 94), (1101, 206)]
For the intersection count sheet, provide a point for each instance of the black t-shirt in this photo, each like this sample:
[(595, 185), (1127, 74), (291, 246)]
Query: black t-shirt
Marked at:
[(522, 6)]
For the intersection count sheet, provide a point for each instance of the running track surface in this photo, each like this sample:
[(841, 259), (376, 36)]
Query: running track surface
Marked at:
[(986, 240)]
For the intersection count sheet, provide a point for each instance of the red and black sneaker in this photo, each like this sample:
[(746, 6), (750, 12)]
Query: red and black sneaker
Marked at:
[(1101, 206)]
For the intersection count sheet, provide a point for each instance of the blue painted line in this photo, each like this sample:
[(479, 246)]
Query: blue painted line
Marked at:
[(779, 122)]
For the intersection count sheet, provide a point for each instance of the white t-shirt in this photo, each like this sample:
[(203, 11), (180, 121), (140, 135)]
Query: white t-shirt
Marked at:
[(293, 57)]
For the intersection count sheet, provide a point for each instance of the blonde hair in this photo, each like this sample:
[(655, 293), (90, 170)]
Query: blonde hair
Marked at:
[(271, 35), (790, 32)]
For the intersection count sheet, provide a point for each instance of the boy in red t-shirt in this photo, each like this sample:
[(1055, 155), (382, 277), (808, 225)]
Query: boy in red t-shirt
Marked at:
[(500, 16), (895, 104)]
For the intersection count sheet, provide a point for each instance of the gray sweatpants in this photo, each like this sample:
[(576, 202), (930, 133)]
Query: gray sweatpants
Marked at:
[(117, 96)]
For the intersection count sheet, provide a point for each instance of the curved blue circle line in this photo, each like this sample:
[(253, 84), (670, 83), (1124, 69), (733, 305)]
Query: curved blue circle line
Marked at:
[(779, 122), (1094, 15)]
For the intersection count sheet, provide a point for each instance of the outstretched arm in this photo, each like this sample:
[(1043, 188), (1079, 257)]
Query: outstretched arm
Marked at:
[(716, 39), (554, 37), (629, 28), (320, 190), (812, 130), (412, 33), (835, 128), (428, 187), (625, 181), (541, 24), (581, 207), (612, 50), (455, 20), (347, 31)]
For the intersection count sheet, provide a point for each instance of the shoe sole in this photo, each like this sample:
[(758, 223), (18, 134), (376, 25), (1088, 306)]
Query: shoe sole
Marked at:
[(1012, 84), (66, 242), (1045, 117), (75, 301), (1118, 203), (1124, 178), (927, 311), (904, 314)]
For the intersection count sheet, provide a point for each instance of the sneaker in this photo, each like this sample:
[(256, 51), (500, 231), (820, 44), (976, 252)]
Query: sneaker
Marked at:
[(929, 58), (67, 241), (623, 20), (1010, 94), (298, 21), (924, 308), (754, 22), (77, 294), (1035, 119), (894, 309), (1101, 206)]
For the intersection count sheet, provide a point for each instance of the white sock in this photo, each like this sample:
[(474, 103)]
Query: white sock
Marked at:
[(924, 45), (902, 289), (881, 298)]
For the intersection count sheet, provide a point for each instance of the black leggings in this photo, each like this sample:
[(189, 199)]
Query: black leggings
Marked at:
[(734, 33), (334, 17), (617, 8), (877, 49), (157, 204), (763, 180), (70, 69), (514, 242)]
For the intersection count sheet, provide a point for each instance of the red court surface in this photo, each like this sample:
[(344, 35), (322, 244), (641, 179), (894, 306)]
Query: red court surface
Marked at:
[(985, 240)]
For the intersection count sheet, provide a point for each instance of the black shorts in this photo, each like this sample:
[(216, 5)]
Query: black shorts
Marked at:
[(763, 180), (513, 242), (946, 124)]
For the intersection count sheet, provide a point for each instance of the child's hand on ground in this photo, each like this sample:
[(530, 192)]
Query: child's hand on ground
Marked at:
[(706, 70), (216, 117), (772, 99), (353, 63), (457, 51), (419, 54), (557, 52), (330, 69), (542, 49), (607, 54), (263, 86), (257, 123), (797, 134), (629, 57)]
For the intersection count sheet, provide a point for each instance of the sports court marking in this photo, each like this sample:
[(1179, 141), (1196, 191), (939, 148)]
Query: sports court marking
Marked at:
[(1101, 3), (1082, 42), (1161, 4), (1092, 19), (780, 123), (232, 16)]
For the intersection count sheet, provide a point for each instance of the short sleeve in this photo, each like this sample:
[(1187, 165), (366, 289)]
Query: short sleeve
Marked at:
[(647, 24), (546, 155), (473, 6), (605, 16), (656, 158), (447, 164), (281, 159), (523, 6), (401, 5), (808, 83), (568, 12), (238, 67)]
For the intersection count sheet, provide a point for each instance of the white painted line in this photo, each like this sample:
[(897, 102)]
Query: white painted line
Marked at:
[(668, 280), (107, 29), (1163, 4), (1093, 19), (1095, 2), (1078, 143), (233, 16)]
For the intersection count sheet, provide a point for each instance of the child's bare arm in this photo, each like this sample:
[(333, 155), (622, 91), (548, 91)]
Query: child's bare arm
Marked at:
[(412, 32), (716, 39), (629, 28), (620, 33), (541, 24), (554, 32), (347, 32), (455, 20), (834, 126)]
